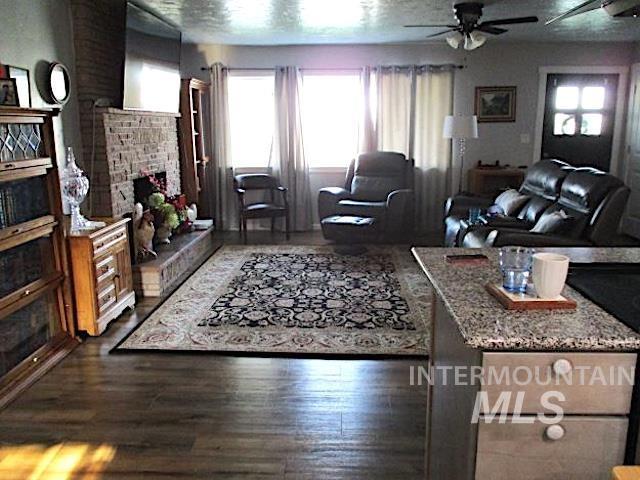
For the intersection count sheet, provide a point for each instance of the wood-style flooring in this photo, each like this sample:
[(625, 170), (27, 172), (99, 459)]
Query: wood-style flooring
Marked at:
[(204, 416)]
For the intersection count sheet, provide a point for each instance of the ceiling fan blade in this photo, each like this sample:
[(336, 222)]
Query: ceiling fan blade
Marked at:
[(511, 21), (491, 30), (582, 8), (430, 26), (441, 33)]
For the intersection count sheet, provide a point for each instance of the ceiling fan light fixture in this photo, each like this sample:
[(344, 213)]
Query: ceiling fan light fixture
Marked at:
[(455, 39), (474, 40)]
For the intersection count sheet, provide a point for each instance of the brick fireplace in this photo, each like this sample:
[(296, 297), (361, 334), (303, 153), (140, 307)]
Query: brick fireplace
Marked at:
[(129, 143)]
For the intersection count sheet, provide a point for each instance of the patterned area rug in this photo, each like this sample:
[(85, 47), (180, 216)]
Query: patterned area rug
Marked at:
[(295, 300)]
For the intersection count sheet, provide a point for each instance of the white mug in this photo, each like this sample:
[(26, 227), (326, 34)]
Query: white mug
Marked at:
[(549, 274)]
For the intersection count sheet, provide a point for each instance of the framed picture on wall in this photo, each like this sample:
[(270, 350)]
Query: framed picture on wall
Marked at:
[(21, 76), (495, 104), (8, 92)]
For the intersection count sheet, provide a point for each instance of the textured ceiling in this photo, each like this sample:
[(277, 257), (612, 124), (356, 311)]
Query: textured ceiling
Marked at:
[(277, 22)]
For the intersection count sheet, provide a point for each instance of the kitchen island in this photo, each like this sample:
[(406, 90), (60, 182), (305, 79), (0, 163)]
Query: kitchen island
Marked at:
[(472, 332)]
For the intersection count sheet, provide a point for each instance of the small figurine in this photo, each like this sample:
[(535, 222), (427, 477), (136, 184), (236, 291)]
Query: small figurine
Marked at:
[(192, 212), (143, 232)]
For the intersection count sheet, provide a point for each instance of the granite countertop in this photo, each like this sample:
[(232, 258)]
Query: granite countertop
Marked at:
[(486, 325)]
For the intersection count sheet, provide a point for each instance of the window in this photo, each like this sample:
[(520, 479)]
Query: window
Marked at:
[(330, 118), (251, 118), (580, 106)]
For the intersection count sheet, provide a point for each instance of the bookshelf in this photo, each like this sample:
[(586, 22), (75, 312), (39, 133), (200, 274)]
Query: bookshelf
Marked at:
[(193, 158), (36, 318)]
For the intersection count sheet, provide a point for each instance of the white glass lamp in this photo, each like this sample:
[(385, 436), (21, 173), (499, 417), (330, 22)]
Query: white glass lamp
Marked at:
[(474, 40), (460, 127)]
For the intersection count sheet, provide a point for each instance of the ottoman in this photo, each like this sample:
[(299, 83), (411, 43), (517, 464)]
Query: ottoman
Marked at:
[(349, 228)]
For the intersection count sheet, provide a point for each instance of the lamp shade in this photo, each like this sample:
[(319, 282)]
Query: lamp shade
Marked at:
[(460, 126)]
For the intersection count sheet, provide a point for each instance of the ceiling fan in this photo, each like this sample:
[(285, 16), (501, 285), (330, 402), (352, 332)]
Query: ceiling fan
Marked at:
[(615, 8), (469, 29)]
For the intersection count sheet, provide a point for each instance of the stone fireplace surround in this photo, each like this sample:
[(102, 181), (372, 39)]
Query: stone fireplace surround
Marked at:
[(128, 143)]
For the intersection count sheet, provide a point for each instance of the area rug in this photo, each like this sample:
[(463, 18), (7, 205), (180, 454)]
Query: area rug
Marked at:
[(296, 300)]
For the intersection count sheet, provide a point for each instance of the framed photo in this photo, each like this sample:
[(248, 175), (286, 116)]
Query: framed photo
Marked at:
[(496, 104), (21, 76), (8, 92)]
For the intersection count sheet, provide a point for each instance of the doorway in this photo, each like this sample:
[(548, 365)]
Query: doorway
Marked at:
[(579, 118)]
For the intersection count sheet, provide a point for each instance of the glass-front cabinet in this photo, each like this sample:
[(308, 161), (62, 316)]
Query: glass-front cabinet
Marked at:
[(35, 317)]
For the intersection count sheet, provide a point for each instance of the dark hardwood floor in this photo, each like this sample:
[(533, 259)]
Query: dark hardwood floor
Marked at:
[(204, 416)]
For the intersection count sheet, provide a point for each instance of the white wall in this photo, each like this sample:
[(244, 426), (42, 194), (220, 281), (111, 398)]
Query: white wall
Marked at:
[(494, 64), (38, 31)]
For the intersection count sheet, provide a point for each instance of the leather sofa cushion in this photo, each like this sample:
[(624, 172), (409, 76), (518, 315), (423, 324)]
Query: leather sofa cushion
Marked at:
[(558, 223), (377, 174), (544, 179), (585, 188), (534, 209), (374, 188), (510, 202), (361, 208)]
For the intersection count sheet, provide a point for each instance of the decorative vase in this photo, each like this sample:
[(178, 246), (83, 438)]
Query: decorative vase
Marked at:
[(75, 186), (163, 233)]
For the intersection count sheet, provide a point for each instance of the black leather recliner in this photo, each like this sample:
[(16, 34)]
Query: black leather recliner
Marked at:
[(542, 183), (594, 202), (379, 185)]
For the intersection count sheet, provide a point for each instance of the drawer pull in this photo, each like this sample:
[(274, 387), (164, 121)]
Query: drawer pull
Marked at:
[(562, 367), (554, 432), (26, 293)]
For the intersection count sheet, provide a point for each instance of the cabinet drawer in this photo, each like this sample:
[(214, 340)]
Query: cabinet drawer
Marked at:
[(595, 383), (106, 268), (107, 297), (589, 448), (110, 239)]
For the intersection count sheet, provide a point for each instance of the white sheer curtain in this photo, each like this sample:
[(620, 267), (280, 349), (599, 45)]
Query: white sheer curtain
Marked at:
[(411, 105), (394, 118), (223, 199), (289, 162), (432, 153)]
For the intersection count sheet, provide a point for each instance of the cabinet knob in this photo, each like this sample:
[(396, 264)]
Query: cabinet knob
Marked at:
[(562, 367), (554, 432)]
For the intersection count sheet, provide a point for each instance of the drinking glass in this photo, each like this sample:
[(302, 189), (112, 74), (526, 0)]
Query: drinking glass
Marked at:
[(474, 215), (515, 264)]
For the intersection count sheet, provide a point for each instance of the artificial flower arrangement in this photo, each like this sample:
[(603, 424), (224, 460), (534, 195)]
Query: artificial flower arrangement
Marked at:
[(170, 212)]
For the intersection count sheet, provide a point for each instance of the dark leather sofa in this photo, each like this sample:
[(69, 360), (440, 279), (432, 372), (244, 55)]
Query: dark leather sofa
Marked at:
[(378, 186), (593, 200)]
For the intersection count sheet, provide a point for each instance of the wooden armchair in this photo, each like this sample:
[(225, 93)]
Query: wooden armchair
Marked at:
[(265, 209)]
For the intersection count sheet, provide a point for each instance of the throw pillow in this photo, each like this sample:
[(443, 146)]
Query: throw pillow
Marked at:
[(556, 222), (511, 201)]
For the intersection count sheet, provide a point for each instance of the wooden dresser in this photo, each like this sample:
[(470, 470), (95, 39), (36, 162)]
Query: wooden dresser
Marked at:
[(102, 279)]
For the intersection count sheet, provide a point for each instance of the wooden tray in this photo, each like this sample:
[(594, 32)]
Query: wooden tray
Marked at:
[(523, 301)]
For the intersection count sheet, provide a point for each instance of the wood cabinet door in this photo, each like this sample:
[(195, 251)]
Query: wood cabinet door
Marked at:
[(587, 450), (123, 277)]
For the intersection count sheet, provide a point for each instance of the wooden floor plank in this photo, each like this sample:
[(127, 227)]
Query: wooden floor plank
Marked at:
[(129, 416)]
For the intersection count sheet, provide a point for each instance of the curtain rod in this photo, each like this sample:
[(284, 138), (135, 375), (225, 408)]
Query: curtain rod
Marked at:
[(353, 69)]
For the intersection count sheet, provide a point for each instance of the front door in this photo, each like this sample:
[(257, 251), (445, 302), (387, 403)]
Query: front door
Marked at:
[(631, 223), (578, 119)]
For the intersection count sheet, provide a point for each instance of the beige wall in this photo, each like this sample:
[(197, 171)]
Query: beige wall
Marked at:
[(494, 64), (35, 32)]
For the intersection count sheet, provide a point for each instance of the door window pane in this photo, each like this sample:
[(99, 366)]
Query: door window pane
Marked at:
[(591, 124), (567, 97), (593, 98), (564, 124)]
